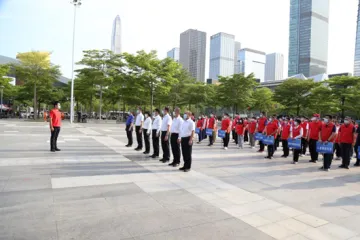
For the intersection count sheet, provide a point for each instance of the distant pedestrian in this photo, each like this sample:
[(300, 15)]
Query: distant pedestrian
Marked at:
[(175, 131), (296, 132), (226, 126), (156, 133), (327, 134), (139, 122), (186, 137), (347, 141), (252, 129), (165, 134), (55, 124), (147, 132), (212, 125)]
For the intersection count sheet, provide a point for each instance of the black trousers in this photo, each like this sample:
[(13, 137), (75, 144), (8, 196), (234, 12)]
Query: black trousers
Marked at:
[(337, 150), (270, 149), (234, 136), (304, 145), (246, 136), (262, 146), (165, 146), (138, 137), (186, 149), (276, 142), (285, 145), (155, 142), (312, 148), (175, 147), (226, 139), (356, 152), (345, 153), (201, 137), (328, 160), (129, 135), (54, 137), (211, 140), (146, 140), (296, 155)]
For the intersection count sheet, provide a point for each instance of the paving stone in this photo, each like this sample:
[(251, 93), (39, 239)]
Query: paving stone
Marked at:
[(311, 220)]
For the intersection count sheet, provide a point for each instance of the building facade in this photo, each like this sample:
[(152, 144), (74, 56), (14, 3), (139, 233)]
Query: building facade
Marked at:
[(193, 53), (274, 67), (357, 46), (308, 37), (222, 55), (252, 61), (174, 54), (116, 36), (236, 59)]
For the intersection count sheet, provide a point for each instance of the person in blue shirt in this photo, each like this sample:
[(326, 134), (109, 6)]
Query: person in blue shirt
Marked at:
[(129, 128)]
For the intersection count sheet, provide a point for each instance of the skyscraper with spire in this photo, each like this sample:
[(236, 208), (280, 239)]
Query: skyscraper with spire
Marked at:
[(116, 36), (357, 46)]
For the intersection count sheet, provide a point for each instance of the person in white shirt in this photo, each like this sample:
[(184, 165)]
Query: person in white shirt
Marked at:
[(156, 133), (186, 137), (139, 121), (175, 130), (165, 133), (147, 131)]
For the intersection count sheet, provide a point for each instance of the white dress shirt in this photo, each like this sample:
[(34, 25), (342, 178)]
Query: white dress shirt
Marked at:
[(176, 124), (165, 122), (187, 128), (157, 123), (139, 119), (147, 124)]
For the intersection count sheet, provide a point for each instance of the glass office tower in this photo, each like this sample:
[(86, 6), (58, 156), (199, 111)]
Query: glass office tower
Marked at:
[(308, 41), (357, 46)]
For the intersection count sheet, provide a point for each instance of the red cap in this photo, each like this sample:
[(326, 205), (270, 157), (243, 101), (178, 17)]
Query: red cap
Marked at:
[(316, 115)]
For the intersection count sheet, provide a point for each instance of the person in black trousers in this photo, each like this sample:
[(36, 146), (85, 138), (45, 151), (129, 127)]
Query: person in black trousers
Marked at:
[(165, 133), (139, 122), (156, 125), (357, 144), (129, 128), (296, 133), (55, 124), (147, 131), (186, 137), (347, 141), (175, 130)]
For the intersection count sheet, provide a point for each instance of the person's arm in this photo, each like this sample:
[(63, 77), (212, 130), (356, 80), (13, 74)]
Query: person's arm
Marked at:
[(50, 121), (192, 133), (131, 124), (354, 137), (168, 128), (301, 133), (320, 139)]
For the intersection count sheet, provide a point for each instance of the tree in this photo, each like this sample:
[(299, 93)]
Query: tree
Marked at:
[(294, 94), (36, 70), (344, 89), (321, 100), (236, 91), (263, 100)]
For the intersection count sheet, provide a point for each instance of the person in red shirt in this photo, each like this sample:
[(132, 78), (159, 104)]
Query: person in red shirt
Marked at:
[(199, 125), (212, 125), (285, 134), (252, 129), (55, 124), (337, 149), (240, 131), (262, 121), (327, 134), (271, 130), (304, 143), (246, 133), (296, 132), (313, 137), (347, 141), (234, 135), (226, 126)]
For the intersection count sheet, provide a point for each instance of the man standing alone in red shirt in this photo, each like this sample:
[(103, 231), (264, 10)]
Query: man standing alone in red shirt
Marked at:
[(55, 124)]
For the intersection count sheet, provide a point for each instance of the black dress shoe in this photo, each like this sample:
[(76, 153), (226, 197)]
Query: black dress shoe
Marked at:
[(161, 160), (341, 166), (145, 152), (312, 161), (187, 170), (356, 165), (128, 145), (268, 157), (57, 149), (154, 156), (52, 150), (139, 149), (175, 164), (165, 161), (182, 169), (171, 164)]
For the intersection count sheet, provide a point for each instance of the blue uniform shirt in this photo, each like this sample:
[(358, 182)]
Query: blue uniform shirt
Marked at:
[(129, 120)]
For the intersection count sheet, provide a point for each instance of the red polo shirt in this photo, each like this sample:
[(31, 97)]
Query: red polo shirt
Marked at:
[(225, 124), (285, 132), (314, 128), (326, 131), (261, 124), (240, 129), (55, 116), (347, 133), (252, 127), (211, 123), (199, 123), (271, 129)]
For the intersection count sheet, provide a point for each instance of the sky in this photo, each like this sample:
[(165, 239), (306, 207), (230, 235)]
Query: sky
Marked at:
[(46, 25)]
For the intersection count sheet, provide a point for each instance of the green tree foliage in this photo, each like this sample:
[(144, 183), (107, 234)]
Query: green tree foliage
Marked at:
[(293, 94), (263, 100)]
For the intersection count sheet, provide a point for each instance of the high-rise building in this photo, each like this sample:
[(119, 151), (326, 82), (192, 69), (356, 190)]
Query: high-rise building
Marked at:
[(357, 46), (274, 67), (252, 61), (236, 54), (116, 36), (193, 53), (308, 41), (174, 54), (222, 56)]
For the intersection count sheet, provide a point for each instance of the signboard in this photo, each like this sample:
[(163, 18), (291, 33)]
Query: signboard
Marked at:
[(259, 136), (209, 132), (197, 130), (268, 140), (294, 143), (325, 148), (221, 133)]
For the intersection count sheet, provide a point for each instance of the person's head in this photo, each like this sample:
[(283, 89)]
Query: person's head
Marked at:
[(226, 115), (262, 114), (177, 112), (138, 110), (166, 110), (286, 120), (211, 115), (157, 112), (187, 115), (302, 118), (253, 119), (147, 114), (240, 121), (315, 117), (56, 105), (270, 119), (347, 120), (297, 122), (327, 119)]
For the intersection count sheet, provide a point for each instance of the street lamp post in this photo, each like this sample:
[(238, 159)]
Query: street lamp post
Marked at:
[(76, 3), (2, 92)]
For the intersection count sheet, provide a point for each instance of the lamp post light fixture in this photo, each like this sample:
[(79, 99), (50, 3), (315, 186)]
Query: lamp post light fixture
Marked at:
[(76, 3)]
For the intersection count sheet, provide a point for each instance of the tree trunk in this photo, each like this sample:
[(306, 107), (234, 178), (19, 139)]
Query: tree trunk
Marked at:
[(297, 110), (35, 102), (39, 107), (342, 107), (100, 104), (152, 99)]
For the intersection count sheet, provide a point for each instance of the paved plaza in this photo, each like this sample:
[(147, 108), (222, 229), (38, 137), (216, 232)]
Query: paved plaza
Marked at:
[(96, 188)]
